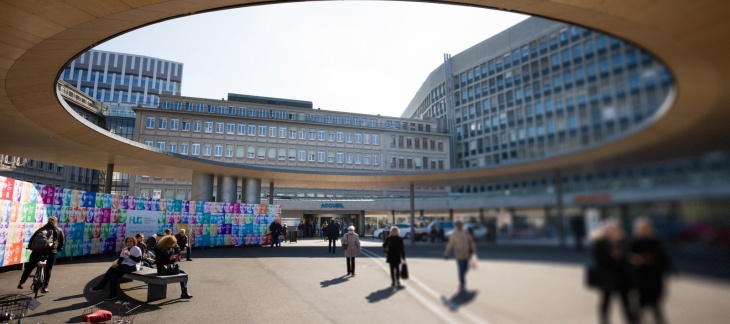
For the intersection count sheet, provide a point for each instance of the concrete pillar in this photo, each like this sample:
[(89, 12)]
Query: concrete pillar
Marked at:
[(271, 193), (202, 189), (413, 215), (361, 224), (559, 201), (392, 213), (451, 215), (481, 216), (108, 178), (227, 189), (251, 191)]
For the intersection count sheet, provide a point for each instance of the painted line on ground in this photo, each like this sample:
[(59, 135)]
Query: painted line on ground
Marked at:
[(435, 308)]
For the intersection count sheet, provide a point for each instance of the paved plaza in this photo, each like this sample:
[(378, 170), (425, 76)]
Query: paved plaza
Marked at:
[(301, 283)]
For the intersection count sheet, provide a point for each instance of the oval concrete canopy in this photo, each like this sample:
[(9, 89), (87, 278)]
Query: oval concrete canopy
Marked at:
[(37, 39)]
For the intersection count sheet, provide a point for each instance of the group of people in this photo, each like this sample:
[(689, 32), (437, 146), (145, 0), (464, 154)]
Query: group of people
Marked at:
[(460, 242), (630, 268), (437, 233), (135, 254), (167, 250)]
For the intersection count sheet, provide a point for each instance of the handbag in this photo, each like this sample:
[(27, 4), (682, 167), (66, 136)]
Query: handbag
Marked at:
[(344, 242), (404, 271), (170, 269), (593, 276)]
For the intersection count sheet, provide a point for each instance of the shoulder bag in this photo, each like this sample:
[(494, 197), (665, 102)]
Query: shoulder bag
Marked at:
[(170, 269)]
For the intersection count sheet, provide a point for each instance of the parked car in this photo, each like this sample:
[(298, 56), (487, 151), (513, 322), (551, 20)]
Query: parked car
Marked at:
[(405, 231), (424, 233), (476, 230)]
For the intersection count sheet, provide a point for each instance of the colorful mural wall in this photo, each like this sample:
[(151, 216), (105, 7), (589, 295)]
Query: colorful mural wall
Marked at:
[(97, 223)]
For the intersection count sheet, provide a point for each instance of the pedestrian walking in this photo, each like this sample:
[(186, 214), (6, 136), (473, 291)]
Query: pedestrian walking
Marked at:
[(284, 232), (651, 265), (275, 230), (333, 233), (395, 255), (612, 265), (462, 243), (351, 245), (324, 229), (52, 239), (182, 242)]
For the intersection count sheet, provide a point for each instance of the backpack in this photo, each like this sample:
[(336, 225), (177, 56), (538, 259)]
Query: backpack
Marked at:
[(43, 240)]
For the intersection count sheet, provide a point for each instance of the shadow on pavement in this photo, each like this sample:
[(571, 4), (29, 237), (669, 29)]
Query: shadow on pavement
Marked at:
[(334, 281), (381, 294), (459, 299)]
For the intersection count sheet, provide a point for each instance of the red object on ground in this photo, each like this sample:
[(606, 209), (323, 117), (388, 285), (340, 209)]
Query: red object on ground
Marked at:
[(98, 316)]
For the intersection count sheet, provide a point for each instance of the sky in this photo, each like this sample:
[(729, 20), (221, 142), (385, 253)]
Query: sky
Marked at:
[(354, 56)]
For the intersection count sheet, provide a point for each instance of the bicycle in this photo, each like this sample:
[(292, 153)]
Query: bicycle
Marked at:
[(13, 308), (39, 277)]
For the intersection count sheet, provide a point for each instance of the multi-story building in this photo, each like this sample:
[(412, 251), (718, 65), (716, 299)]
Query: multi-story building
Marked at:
[(120, 81), (540, 89), (282, 133), (543, 89)]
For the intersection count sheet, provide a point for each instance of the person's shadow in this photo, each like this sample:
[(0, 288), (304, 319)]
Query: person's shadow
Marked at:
[(459, 299), (379, 295), (334, 281)]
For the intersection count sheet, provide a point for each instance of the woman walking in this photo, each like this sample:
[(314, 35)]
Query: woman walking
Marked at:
[(611, 260), (351, 245), (395, 254), (651, 265)]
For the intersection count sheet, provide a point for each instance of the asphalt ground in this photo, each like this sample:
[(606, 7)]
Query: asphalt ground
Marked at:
[(302, 283)]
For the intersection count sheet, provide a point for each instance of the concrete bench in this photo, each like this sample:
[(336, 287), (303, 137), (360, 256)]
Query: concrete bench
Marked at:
[(156, 284)]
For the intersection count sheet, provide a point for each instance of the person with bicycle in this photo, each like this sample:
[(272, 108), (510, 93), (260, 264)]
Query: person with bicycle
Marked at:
[(128, 260), (51, 241)]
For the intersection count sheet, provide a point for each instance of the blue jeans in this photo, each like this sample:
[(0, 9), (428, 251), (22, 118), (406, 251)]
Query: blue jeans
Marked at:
[(183, 284), (332, 244), (463, 266)]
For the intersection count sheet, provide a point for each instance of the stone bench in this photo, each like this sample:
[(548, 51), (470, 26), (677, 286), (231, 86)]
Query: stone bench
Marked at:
[(156, 284)]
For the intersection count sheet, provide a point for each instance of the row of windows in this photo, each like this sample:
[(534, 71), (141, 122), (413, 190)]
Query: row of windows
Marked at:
[(415, 163), (119, 79), (263, 152), (81, 175), (401, 141), (286, 115), (244, 129)]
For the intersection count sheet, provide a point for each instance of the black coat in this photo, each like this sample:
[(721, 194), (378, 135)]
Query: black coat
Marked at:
[(396, 249), (162, 257), (333, 230), (649, 269), (57, 237), (182, 240), (612, 263)]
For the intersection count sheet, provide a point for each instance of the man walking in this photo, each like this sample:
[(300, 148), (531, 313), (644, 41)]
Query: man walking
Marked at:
[(275, 230), (333, 232), (182, 242), (463, 245)]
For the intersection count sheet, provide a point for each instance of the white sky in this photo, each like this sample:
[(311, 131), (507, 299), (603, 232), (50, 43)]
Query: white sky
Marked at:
[(355, 56)]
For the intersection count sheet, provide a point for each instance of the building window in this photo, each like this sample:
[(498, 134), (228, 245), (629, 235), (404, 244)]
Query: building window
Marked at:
[(262, 130), (207, 150), (320, 156), (366, 160), (282, 154), (348, 158), (231, 128), (376, 139), (218, 150), (195, 149), (146, 142), (376, 159), (366, 139), (293, 133), (340, 136), (184, 148), (321, 135), (208, 126), (219, 128), (162, 124), (241, 129), (172, 147), (174, 122), (150, 122), (340, 157), (251, 152), (185, 126), (358, 138), (197, 126), (302, 155), (251, 130), (282, 132)]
